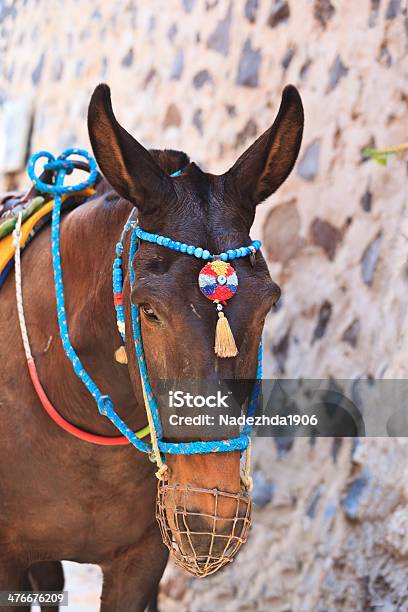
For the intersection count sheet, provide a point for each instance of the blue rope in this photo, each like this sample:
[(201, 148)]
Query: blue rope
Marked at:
[(103, 401), (198, 252), (176, 173), (137, 338), (61, 167), (174, 448), (117, 280), (5, 271)]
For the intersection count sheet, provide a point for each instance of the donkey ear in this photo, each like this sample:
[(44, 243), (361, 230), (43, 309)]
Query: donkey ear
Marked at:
[(125, 163), (264, 166)]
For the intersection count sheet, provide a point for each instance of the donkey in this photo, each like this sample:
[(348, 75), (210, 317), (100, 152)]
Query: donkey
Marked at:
[(60, 497)]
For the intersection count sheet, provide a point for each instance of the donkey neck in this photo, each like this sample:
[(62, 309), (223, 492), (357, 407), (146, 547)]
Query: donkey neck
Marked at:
[(88, 238)]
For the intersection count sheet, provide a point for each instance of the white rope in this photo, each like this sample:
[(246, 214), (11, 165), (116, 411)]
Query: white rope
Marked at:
[(246, 478), (19, 294), (160, 474)]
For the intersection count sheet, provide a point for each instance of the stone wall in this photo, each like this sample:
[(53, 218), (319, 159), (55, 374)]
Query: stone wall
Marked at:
[(331, 527)]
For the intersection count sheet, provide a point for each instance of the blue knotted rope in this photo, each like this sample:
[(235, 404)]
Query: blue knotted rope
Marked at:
[(61, 167), (57, 189)]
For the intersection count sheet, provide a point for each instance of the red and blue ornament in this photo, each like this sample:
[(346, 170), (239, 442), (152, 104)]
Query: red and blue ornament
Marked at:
[(218, 281)]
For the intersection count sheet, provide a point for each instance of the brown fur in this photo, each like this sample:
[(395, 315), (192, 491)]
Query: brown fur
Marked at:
[(61, 498)]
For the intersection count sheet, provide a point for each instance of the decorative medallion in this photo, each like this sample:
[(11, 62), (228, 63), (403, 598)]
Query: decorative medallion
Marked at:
[(218, 281)]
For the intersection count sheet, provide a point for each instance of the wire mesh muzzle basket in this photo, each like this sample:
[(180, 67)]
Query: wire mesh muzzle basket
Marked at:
[(202, 542)]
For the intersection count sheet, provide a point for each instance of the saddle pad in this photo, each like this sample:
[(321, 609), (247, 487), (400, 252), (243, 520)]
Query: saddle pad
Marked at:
[(6, 244), (15, 206)]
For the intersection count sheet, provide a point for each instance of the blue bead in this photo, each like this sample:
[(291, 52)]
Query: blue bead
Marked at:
[(231, 254), (160, 240), (183, 247), (198, 252), (242, 251), (166, 242), (237, 252), (190, 249), (177, 246), (257, 244), (248, 251), (224, 257), (206, 254)]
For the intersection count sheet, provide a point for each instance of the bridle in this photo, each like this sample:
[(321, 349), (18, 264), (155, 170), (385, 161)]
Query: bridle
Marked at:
[(217, 281)]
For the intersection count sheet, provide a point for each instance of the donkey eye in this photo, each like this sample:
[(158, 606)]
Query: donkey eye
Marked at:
[(149, 313)]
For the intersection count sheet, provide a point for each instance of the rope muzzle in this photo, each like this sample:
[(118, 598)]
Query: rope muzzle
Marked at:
[(202, 542)]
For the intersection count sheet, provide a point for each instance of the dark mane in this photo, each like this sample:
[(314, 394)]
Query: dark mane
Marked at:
[(170, 161)]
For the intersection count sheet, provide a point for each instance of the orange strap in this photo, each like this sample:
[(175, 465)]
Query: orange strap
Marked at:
[(63, 423)]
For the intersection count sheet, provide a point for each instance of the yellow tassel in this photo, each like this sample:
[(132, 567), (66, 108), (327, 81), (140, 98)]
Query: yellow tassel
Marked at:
[(224, 340), (120, 355)]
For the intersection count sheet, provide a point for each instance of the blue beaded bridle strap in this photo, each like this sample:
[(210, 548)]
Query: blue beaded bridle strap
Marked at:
[(62, 166), (198, 252)]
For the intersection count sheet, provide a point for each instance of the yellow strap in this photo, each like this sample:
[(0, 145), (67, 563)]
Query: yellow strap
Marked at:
[(142, 433)]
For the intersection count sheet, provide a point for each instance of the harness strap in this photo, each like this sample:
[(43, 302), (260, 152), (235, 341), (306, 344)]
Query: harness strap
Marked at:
[(47, 405), (61, 167)]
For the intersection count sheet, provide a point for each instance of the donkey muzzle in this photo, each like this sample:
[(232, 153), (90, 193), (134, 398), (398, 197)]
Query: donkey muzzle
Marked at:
[(202, 528)]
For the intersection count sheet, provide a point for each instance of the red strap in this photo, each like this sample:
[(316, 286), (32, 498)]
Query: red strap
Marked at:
[(57, 418), (118, 299)]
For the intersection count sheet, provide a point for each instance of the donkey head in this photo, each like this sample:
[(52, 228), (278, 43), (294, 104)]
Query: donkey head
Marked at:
[(214, 212)]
